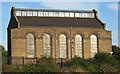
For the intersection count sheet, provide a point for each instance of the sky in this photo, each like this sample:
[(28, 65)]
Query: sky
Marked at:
[(107, 13)]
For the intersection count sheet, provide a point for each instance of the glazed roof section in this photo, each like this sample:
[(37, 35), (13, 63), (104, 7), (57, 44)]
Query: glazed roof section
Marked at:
[(55, 13), (73, 21)]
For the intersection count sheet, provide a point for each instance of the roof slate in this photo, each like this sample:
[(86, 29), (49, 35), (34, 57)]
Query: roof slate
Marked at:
[(59, 21)]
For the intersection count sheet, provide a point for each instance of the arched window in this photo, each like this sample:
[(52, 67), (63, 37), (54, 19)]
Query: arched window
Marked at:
[(63, 51), (93, 40), (46, 45), (30, 46), (78, 46)]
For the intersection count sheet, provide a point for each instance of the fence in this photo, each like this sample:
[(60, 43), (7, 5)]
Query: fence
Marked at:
[(22, 60), (25, 60)]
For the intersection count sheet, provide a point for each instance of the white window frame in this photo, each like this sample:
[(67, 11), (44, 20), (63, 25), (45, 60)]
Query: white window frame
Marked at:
[(71, 14), (67, 14), (56, 14), (92, 15), (46, 45), (18, 13), (34, 13), (40, 13), (29, 13), (30, 45), (77, 14), (51, 14), (93, 44), (78, 46), (63, 46), (24, 13), (46, 14), (61, 14)]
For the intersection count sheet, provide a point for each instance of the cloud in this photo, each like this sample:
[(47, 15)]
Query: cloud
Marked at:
[(70, 5), (112, 6)]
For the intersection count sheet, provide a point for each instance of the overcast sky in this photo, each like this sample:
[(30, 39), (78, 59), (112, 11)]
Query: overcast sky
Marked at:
[(107, 13)]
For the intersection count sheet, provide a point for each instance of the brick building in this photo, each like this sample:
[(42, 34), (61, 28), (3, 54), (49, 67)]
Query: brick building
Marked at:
[(57, 33)]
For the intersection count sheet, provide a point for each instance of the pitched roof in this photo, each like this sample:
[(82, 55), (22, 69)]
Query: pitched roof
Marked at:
[(59, 21)]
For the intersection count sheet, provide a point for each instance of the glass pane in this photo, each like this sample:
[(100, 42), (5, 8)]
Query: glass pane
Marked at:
[(83, 15), (24, 13), (66, 14), (29, 13), (71, 14), (56, 13), (86, 14), (40, 13), (78, 45), (34, 13), (18, 13), (45, 13), (92, 15), (30, 45), (46, 44), (80, 14), (93, 40), (50, 13), (77, 15), (62, 46), (61, 14)]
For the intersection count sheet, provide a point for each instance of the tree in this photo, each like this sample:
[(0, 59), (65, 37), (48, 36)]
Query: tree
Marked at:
[(116, 52), (4, 53)]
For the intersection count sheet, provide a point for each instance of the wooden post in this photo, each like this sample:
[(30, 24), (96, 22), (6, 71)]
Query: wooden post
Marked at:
[(71, 41)]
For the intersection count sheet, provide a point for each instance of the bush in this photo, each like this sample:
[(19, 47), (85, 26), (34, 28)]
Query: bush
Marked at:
[(116, 52), (101, 58), (45, 56), (4, 53), (102, 62), (83, 64), (105, 67), (43, 65), (48, 65)]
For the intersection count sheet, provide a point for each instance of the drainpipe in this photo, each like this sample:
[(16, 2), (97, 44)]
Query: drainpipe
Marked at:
[(71, 41), (55, 45)]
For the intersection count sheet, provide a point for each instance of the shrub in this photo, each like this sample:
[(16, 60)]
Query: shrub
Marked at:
[(83, 64), (43, 65), (116, 51), (101, 58), (4, 53), (29, 68), (48, 65), (46, 56), (105, 67)]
